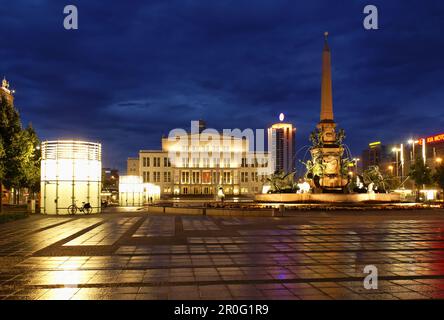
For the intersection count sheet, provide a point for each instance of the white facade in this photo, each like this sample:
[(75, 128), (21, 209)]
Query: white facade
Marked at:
[(133, 192), (130, 191), (195, 165), (71, 174)]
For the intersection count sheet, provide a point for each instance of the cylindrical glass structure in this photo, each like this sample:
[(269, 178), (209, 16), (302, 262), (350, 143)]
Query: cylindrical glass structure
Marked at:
[(71, 174)]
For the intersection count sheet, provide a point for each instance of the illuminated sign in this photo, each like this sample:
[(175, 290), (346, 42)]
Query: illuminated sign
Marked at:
[(374, 144), (437, 138), (433, 139)]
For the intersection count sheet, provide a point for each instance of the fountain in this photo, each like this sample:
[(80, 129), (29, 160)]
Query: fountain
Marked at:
[(327, 171)]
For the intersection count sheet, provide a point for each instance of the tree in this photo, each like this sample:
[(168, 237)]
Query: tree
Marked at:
[(438, 176), (28, 160), (2, 171), (420, 173), (9, 127), (19, 154)]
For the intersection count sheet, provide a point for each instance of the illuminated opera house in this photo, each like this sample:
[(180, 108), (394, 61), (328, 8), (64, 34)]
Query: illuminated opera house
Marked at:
[(202, 163)]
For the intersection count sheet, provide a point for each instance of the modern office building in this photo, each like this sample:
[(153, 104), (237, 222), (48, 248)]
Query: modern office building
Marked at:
[(281, 145), (430, 149), (397, 158), (110, 179), (202, 163), (377, 154)]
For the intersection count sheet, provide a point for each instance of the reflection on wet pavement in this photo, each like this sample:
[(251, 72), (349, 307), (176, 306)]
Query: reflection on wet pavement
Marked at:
[(156, 227), (139, 256), (198, 223), (105, 234)]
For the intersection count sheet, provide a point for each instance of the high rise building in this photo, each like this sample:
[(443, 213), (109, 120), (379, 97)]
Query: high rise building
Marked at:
[(376, 155), (281, 145)]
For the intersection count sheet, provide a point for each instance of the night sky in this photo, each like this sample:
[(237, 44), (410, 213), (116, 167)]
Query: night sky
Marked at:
[(136, 69)]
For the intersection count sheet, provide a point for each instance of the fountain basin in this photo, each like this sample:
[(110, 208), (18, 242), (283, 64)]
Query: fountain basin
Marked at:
[(328, 197)]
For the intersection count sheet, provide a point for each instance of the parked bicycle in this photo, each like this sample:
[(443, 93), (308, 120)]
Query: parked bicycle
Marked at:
[(85, 208)]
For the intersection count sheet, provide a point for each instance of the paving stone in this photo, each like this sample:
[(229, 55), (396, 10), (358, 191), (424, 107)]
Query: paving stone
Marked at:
[(135, 256)]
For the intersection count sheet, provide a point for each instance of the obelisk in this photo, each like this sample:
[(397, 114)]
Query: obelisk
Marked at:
[(328, 150), (326, 124), (326, 90)]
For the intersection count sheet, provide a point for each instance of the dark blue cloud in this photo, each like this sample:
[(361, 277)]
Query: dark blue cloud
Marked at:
[(135, 70)]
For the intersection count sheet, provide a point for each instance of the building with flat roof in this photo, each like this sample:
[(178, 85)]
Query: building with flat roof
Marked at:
[(377, 154), (132, 167), (429, 148), (281, 145), (202, 163), (397, 158)]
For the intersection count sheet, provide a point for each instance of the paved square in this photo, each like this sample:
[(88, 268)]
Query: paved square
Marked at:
[(308, 255)]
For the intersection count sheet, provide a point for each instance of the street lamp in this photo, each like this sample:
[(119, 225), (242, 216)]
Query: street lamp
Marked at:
[(402, 161), (356, 160), (396, 150), (391, 169), (412, 143), (438, 160)]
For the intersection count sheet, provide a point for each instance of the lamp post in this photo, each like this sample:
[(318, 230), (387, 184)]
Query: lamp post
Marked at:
[(439, 162), (402, 161), (424, 152), (396, 150), (412, 142), (356, 160)]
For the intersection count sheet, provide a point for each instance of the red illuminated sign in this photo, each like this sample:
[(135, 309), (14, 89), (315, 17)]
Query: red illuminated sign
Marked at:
[(434, 139)]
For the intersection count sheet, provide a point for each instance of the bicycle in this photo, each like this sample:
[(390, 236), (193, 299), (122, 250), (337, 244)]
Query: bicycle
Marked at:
[(85, 208)]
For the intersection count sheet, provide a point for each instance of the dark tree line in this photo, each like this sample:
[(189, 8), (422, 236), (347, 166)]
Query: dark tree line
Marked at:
[(422, 175), (19, 152)]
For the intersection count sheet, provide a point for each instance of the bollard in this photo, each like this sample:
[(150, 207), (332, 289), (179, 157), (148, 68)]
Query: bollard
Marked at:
[(281, 210), (275, 212), (31, 206)]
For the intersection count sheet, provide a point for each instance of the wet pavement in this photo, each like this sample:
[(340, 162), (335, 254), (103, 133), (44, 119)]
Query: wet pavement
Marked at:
[(311, 255)]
